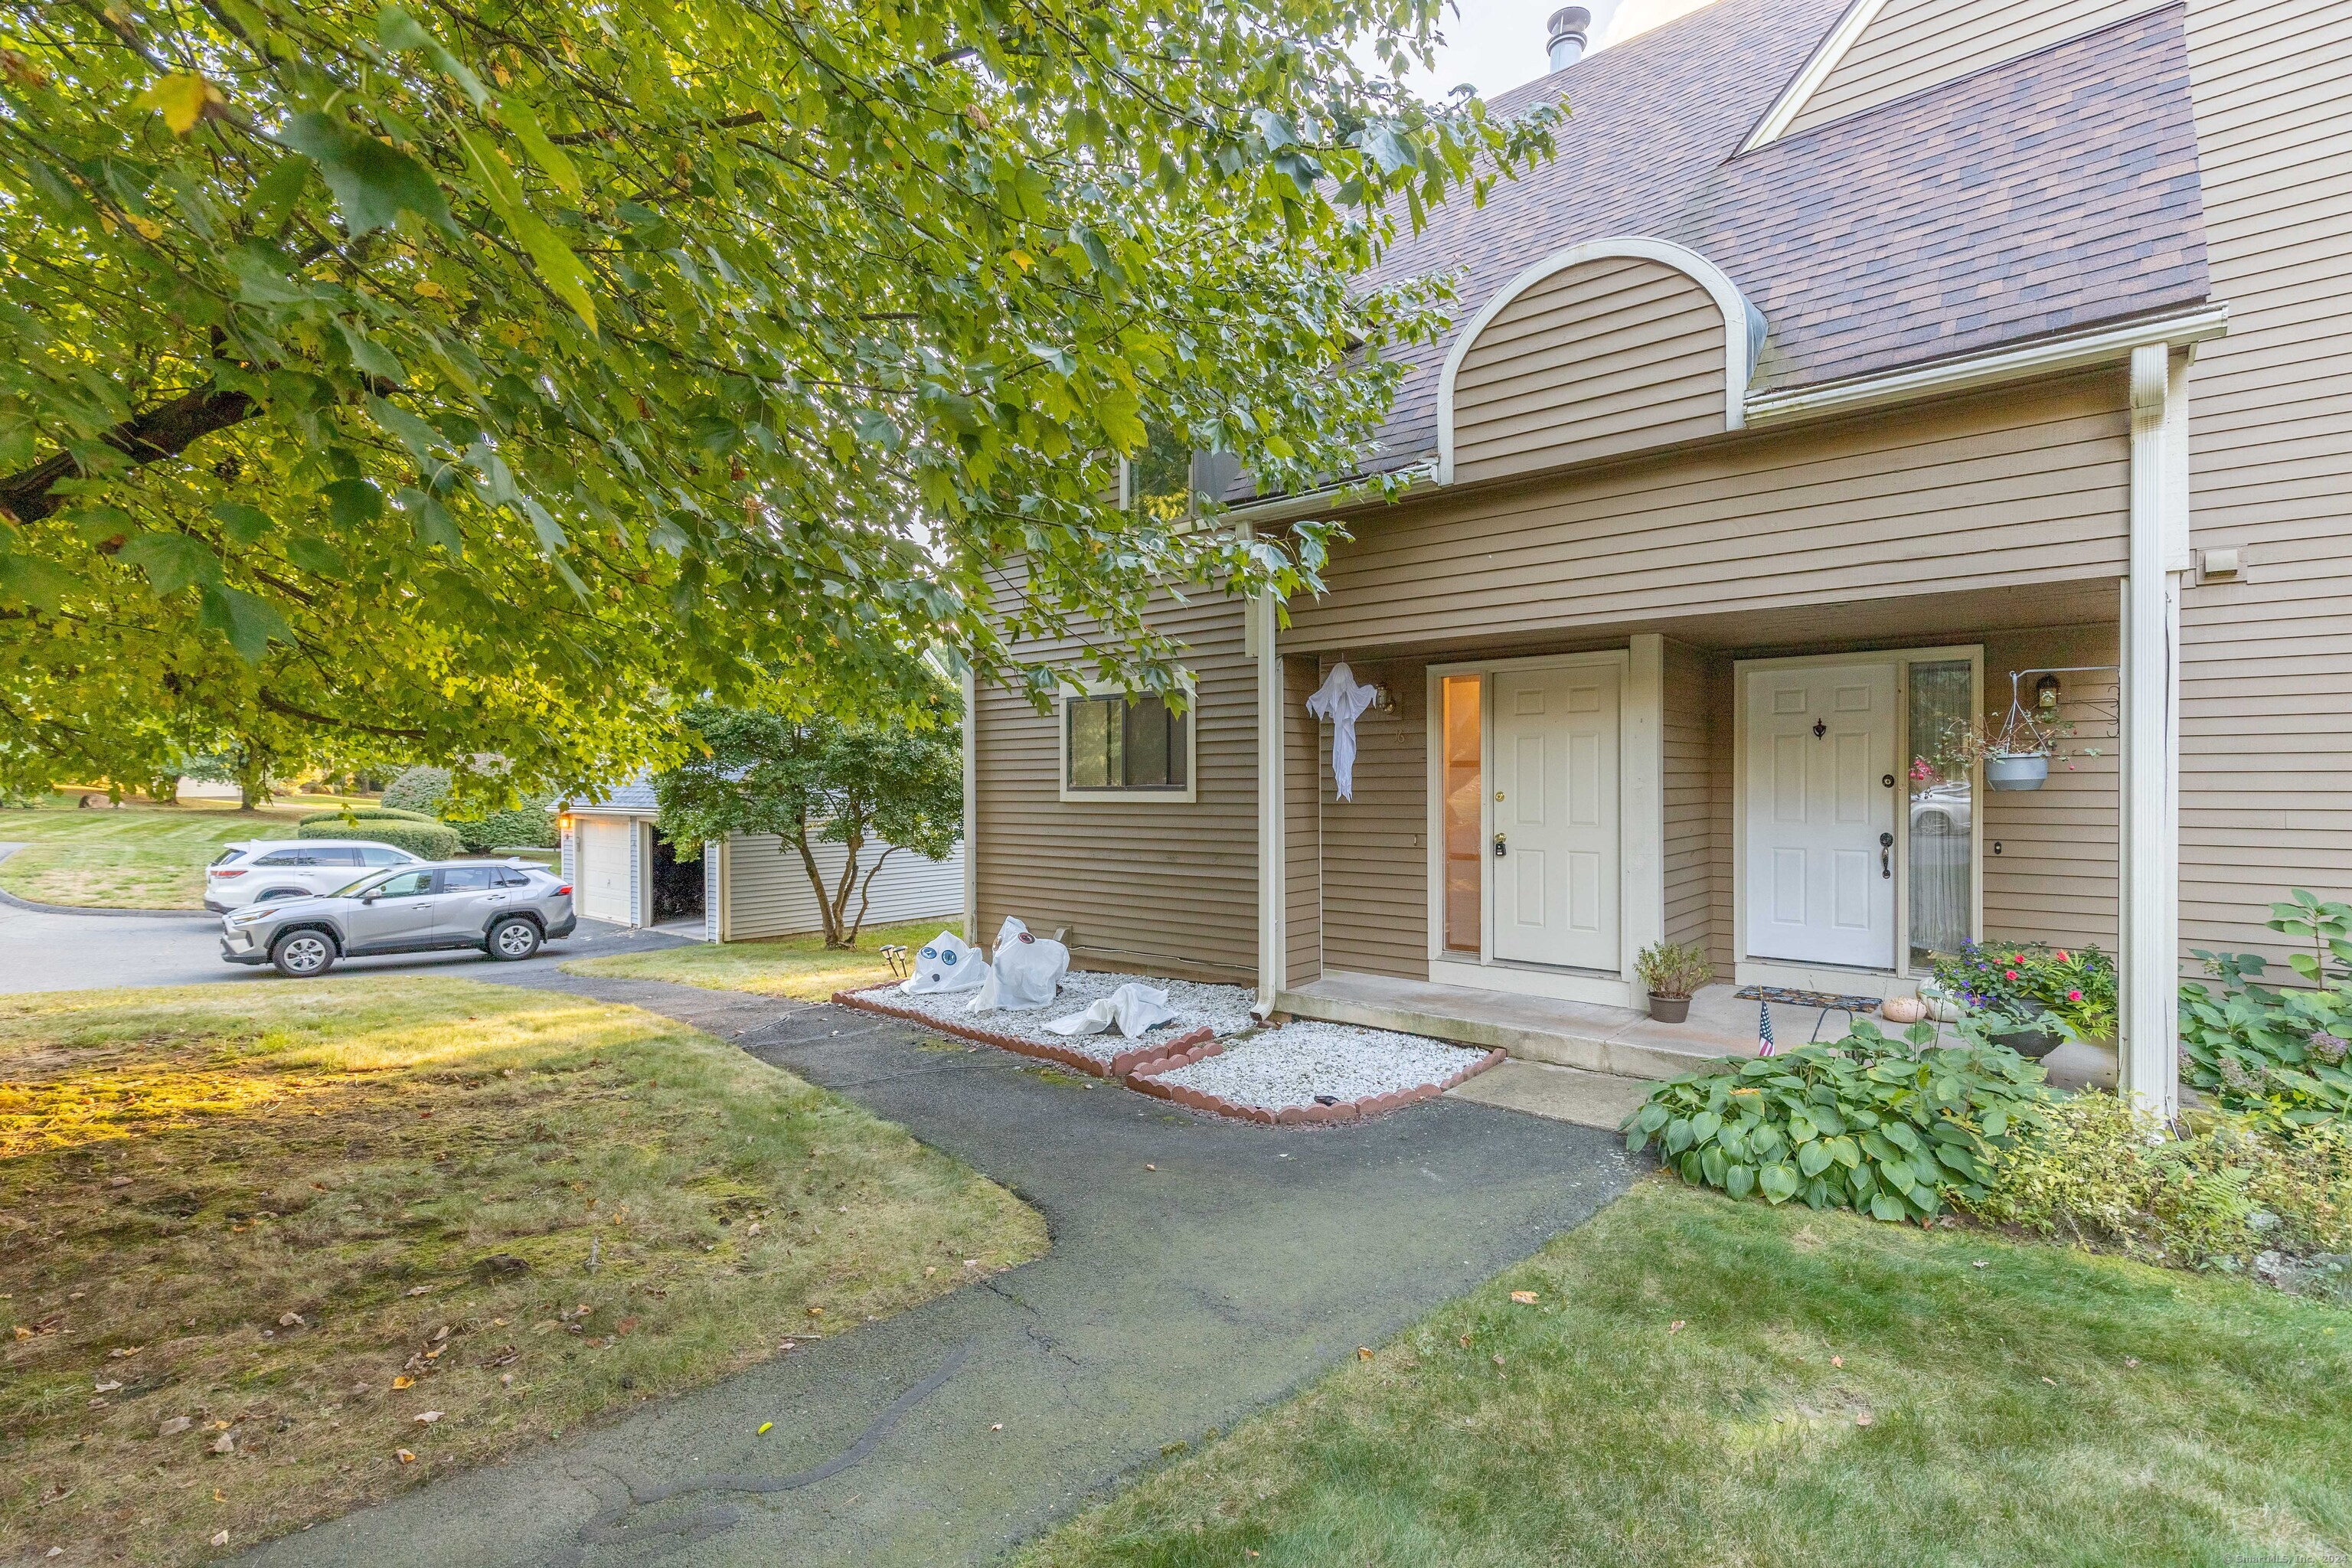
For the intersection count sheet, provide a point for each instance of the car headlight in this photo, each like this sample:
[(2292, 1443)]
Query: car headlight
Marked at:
[(245, 917)]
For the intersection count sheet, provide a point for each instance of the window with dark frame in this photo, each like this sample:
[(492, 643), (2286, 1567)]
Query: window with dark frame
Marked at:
[(1115, 745)]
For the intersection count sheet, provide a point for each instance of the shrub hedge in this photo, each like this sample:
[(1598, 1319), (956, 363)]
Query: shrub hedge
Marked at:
[(409, 830), (418, 789), (523, 827)]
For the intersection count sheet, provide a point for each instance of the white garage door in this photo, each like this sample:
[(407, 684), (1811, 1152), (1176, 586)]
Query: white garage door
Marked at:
[(603, 872)]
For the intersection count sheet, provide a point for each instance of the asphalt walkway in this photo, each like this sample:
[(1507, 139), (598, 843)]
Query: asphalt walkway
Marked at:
[(1199, 1270)]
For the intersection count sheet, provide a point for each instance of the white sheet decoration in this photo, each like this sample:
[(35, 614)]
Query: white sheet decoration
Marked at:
[(945, 963), (1025, 971), (1339, 702), (1134, 1008)]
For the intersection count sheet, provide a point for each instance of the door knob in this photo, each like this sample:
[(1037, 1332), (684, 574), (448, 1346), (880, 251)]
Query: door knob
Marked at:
[(1886, 856), (1499, 851)]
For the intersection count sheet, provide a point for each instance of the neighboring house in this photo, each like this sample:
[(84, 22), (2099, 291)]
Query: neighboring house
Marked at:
[(751, 886), (1850, 358)]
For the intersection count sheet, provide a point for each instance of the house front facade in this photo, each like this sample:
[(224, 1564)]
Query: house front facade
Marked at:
[(1856, 371)]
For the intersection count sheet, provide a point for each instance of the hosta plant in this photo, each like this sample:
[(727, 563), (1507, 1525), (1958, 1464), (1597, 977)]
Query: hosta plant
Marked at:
[(1897, 1129), (2280, 1055)]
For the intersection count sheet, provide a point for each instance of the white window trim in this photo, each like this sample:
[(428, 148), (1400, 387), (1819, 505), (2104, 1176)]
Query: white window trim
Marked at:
[(1807, 82), (1898, 979), (1189, 795)]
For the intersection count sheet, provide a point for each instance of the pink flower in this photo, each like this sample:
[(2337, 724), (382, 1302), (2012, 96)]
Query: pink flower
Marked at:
[(2009, 974), (2066, 957), (2074, 995)]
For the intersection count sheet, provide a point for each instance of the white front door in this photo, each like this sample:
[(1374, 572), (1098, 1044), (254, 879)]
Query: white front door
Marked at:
[(603, 877), (1820, 813), (1554, 854)]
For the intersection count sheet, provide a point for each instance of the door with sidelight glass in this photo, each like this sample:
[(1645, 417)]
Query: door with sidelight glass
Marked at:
[(1821, 741)]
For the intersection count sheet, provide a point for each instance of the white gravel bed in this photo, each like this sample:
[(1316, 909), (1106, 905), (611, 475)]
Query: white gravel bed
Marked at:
[(1277, 1069), (1225, 1009)]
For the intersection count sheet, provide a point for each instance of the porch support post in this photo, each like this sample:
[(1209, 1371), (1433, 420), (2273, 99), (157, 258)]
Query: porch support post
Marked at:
[(1641, 888), (1273, 894), (2150, 859), (970, 807)]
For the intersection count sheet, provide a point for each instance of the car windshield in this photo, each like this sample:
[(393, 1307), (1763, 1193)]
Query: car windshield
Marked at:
[(353, 889)]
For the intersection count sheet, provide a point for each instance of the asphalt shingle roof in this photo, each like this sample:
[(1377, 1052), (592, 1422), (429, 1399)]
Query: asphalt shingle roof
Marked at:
[(2040, 195), (637, 795)]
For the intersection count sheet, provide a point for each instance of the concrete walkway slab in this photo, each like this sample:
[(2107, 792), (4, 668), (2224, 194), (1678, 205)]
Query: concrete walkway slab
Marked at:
[(1563, 1094), (1173, 1300)]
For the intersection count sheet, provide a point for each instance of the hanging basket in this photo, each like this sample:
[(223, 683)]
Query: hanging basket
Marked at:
[(2016, 770)]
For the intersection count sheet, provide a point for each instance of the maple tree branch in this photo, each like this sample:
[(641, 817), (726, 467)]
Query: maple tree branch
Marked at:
[(163, 431)]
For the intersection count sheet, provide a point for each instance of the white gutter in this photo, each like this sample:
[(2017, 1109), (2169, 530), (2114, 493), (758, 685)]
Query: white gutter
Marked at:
[(1281, 509), (2076, 351)]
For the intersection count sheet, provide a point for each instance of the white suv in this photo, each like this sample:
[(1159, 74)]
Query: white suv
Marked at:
[(291, 869)]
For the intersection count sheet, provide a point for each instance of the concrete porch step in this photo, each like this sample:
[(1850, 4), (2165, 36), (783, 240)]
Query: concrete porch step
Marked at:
[(1595, 1038)]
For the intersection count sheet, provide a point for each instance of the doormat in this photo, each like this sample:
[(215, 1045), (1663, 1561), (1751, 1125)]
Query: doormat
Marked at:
[(1826, 1001)]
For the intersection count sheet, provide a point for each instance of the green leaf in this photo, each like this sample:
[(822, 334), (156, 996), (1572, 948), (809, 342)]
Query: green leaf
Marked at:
[(396, 29), (1121, 413), (243, 524), (519, 119), (1885, 1207), (370, 356), (248, 621), (434, 528), (351, 502), (316, 556), (413, 433), (372, 183), (1714, 1164), (1739, 1179), (172, 561), (875, 429), (34, 581), (1813, 1158), (559, 268), (1777, 1182), (1678, 1135)]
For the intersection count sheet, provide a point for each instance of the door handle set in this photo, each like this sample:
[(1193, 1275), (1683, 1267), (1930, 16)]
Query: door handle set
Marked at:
[(1500, 851), (1886, 856)]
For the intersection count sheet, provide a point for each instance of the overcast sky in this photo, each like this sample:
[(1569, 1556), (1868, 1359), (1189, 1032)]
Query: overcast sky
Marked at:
[(1499, 44)]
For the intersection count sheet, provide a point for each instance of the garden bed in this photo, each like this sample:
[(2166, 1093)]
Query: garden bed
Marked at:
[(1315, 1072), (1205, 1016)]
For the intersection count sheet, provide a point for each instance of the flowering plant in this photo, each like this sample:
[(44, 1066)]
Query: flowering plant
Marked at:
[(2022, 979), (1966, 743), (2277, 1054)]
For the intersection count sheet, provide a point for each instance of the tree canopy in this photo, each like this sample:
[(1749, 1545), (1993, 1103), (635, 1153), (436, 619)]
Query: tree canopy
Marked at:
[(811, 779), (486, 378)]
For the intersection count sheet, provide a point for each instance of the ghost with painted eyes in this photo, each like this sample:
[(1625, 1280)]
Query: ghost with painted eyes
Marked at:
[(945, 963)]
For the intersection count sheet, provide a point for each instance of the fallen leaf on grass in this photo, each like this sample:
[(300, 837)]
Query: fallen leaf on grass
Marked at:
[(418, 1289), (290, 1320), (106, 1387), (225, 1444), (1837, 1360), (427, 1417), (1862, 1419), (2131, 1361), (765, 1427), (1499, 1360), (625, 1326), (403, 1383), (173, 1426), (1675, 1327), (2051, 1381), (1363, 1353), (440, 1333), (404, 1456), (221, 1539), (1524, 1297), (998, 1428)]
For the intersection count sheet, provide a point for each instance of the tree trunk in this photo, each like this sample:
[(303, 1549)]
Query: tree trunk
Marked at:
[(799, 839), (837, 917), (865, 892)]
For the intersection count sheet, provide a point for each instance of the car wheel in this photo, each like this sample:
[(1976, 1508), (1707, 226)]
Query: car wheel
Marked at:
[(512, 938), (303, 955)]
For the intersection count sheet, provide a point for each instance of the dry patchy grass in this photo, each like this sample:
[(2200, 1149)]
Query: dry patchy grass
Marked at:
[(249, 1236), (136, 857), (796, 966)]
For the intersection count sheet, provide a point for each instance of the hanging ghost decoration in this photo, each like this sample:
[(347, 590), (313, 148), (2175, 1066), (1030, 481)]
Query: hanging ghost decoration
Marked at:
[(1339, 702), (945, 963), (1025, 971)]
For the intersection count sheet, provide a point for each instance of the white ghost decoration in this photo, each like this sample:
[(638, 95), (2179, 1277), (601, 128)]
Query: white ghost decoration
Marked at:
[(1134, 1008), (945, 963), (1027, 970), (1339, 701)]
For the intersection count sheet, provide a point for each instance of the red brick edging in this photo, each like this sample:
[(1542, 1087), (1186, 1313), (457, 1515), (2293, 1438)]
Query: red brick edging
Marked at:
[(1146, 1081), (1192, 1045)]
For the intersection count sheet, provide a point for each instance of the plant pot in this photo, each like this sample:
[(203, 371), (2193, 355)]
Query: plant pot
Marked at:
[(2037, 1039), (1669, 1009), (2016, 770)]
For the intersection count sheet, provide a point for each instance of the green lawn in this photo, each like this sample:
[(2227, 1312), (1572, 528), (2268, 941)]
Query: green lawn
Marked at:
[(1703, 1381), (797, 966), (137, 858), (297, 1219)]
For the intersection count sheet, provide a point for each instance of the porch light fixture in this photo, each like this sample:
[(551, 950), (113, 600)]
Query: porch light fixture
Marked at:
[(2046, 693)]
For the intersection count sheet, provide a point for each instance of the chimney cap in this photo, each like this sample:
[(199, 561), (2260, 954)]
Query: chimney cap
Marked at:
[(1566, 35)]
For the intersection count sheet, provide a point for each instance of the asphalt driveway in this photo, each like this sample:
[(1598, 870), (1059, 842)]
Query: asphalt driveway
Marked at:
[(1198, 1269)]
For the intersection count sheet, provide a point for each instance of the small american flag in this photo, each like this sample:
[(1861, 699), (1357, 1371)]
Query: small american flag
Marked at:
[(1764, 1028)]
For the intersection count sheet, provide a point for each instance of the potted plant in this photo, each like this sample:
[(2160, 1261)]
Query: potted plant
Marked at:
[(1672, 971), (2029, 996), (2016, 748)]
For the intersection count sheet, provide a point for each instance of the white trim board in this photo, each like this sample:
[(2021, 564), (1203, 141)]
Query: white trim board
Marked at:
[(1800, 91), (1189, 795), (1743, 325)]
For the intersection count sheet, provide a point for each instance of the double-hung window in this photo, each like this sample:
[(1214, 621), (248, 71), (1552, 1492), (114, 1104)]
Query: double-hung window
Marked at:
[(1118, 748)]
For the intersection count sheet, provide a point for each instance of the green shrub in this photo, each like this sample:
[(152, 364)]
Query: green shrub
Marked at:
[(2276, 1056), (2078, 984), (406, 830), (1895, 1129), (1673, 969), (524, 827), (2097, 1172), (418, 789)]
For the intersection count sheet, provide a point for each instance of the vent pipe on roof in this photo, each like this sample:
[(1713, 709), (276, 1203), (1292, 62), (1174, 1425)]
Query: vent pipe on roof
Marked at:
[(1565, 38)]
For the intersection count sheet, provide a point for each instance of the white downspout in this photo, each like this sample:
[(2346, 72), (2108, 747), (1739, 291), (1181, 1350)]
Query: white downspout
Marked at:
[(2148, 1045), (970, 807), (1273, 890)]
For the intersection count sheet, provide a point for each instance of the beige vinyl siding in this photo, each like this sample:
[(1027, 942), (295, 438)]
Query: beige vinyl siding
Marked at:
[(1375, 846), (769, 893), (1687, 738), (1159, 885), (1598, 359), (1913, 45), (1302, 822), (2054, 876), (1990, 490), (2266, 661)]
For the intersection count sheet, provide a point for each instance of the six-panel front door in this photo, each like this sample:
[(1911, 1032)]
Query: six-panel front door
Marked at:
[(1554, 852), (1820, 813)]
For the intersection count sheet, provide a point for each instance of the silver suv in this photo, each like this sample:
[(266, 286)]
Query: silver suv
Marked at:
[(503, 908)]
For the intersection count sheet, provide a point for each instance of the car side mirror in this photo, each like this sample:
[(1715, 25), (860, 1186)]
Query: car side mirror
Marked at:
[(370, 897)]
